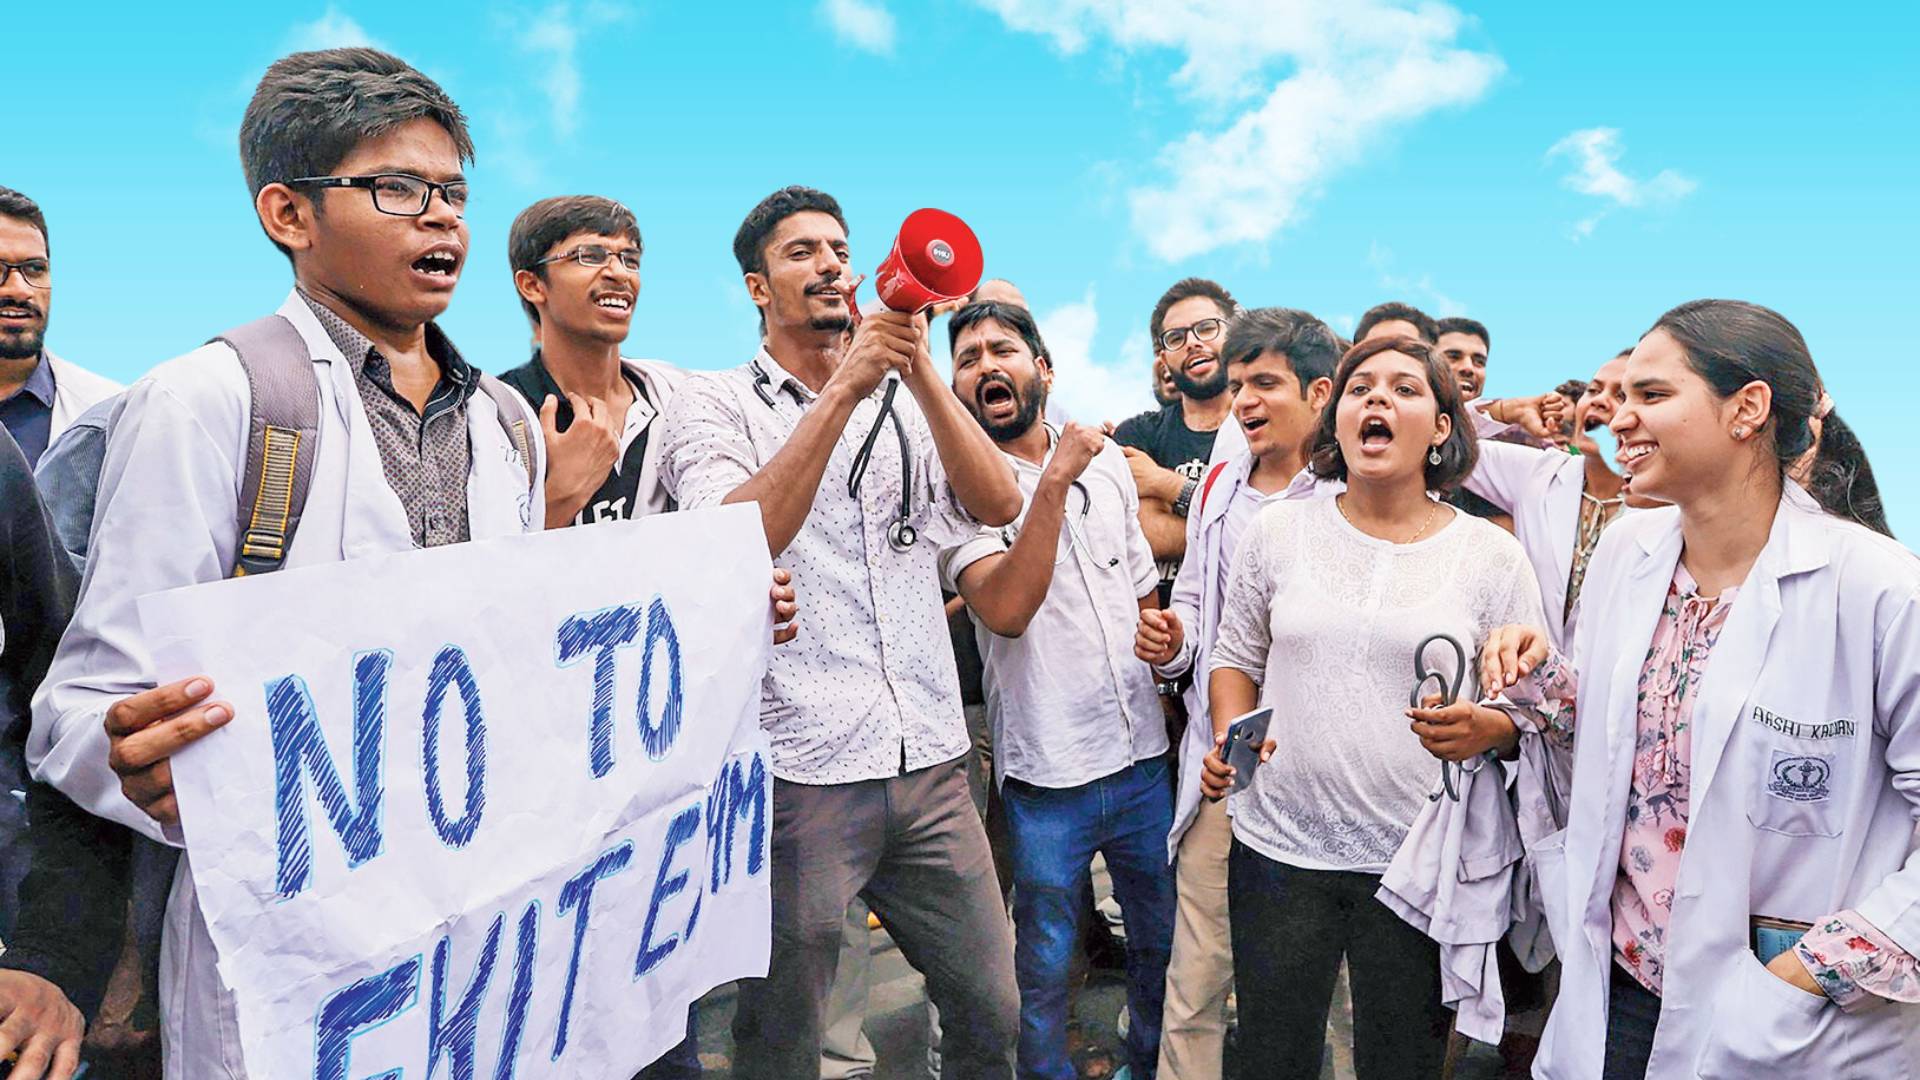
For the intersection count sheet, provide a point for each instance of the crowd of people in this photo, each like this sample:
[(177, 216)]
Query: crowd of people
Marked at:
[(1630, 739)]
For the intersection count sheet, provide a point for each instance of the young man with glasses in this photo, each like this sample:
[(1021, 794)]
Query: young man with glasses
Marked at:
[(1168, 447), (1080, 742), (40, 394), (355, 163), (576, 266)]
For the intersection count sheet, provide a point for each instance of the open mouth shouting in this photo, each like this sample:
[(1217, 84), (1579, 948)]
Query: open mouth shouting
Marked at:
[(439, 266), (996, 399), (1376, 435), (19, 315)]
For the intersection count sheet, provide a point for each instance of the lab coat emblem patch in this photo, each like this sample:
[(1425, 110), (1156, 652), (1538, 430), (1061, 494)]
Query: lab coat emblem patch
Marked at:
[(1800, 777)]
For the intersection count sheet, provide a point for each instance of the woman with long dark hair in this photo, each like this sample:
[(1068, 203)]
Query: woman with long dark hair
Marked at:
[(1328, 602), (1737, 892)]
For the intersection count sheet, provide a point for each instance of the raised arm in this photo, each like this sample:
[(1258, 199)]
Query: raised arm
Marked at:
[(709, 459), (1004, 589)]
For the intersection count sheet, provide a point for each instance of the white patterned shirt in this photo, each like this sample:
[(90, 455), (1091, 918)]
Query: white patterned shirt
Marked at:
[(868, 690), (1325, 619)]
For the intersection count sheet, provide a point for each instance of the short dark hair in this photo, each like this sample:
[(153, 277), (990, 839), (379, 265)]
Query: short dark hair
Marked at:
[(550, 221), (312, 108), (1012, 316), (1457, 454), (15, 205), (1460, 324), (1395, 311), (1310, 346), (749, 241), (1184, 289)]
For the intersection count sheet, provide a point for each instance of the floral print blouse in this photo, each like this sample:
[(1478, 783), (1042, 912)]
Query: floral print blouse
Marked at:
[(1851, 960)]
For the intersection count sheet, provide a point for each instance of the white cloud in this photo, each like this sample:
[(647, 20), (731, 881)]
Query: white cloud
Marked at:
[(553, 38), (861, 23), (1595, 156), (1087, 389), (1416, 289), (1310, 85), (334, 29)]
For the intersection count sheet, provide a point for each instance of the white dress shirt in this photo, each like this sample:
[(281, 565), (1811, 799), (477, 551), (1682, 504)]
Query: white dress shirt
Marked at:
[(868, 690), (1068, 701)]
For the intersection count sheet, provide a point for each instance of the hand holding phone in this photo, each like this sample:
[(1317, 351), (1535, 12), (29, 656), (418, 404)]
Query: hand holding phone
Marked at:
[(1236, 753)]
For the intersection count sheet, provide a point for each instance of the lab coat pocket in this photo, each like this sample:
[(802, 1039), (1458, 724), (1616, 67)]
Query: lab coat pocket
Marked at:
[(1547, 862), (1796, 790), (1766, 1026)]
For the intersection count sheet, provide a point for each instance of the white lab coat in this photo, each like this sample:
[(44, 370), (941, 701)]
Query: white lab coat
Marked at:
[(1825, 628), (660, 380), (169, 490), (1197, 601), (75, 390), (1540, 489)]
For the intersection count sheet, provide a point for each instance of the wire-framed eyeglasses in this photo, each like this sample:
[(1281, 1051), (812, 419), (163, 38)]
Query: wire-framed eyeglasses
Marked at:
[(594, 256), (35, 272), (399, 194), (1175, 337)]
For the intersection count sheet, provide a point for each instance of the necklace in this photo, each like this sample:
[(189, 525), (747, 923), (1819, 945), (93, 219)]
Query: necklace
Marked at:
[(1433, 507)]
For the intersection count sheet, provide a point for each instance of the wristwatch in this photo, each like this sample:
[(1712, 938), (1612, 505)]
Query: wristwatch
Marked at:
[(1184, 502)]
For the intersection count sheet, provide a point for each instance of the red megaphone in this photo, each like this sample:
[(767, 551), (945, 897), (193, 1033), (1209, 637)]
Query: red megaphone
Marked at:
[(935, 257)]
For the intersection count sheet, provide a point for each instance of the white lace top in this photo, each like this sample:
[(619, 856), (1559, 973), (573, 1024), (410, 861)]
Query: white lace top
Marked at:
[(1326, 619)]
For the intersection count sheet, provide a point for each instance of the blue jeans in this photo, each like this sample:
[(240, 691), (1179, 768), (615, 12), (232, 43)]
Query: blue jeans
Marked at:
[(1056, 831)]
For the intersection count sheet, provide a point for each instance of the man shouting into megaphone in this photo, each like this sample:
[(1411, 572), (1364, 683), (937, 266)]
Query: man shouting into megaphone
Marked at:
[(870, 796)]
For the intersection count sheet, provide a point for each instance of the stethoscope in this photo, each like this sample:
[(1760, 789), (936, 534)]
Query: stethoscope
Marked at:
[(900, 535), (1450, 693), (1076, 538)]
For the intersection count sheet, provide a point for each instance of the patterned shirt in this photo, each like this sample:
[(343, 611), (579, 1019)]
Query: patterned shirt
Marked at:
[(426, 455), (868, 690), (1656, 827)]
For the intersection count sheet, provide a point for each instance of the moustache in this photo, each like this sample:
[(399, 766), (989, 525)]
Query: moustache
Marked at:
[(980, 388)]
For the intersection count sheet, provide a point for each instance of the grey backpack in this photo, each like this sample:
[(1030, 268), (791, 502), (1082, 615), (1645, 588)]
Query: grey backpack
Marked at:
[(283, 438)]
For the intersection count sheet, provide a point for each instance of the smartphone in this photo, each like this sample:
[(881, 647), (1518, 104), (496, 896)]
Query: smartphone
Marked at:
[(1245, 737)]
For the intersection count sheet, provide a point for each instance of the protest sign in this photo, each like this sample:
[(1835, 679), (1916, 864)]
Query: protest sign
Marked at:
[(500, 808)]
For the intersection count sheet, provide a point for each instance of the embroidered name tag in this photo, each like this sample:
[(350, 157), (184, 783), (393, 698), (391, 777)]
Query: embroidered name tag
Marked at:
[(1831, 729), (1800, 777)]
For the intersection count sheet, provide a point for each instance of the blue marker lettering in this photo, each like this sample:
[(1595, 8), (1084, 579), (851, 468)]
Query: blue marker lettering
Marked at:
[(681, 830), (450, 668), (599, 633), (359, 1007), (659, 738), (454, 1038), (298, 744), (578, 892)]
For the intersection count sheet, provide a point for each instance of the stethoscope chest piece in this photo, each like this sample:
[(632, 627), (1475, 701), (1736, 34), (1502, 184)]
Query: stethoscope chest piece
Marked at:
[(901, 536)]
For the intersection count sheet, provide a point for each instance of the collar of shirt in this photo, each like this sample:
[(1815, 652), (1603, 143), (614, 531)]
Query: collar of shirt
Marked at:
[(635, 422), (458, 379), (39, 385), (771, 374)]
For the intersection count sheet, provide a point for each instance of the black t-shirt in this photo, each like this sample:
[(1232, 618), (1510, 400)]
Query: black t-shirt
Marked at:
[(1164, 436), (617, 496)]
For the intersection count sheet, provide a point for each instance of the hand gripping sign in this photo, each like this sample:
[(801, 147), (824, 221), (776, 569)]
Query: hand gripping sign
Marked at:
[(505, 803)]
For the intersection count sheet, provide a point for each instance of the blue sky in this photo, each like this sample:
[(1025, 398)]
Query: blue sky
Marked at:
[(1563, 174)]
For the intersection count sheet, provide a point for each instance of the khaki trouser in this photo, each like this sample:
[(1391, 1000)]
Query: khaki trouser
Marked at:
[(1193, 1033)]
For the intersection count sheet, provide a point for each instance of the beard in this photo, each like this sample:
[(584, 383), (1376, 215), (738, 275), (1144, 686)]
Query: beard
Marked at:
[(835, 323), (1030, 402), (22, 344), (1197, 390)]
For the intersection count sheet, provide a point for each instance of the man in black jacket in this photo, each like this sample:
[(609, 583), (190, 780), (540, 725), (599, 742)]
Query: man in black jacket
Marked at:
[(73, 896)]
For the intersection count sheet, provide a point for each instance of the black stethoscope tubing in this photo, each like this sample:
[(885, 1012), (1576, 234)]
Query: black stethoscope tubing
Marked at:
[(900, 535)]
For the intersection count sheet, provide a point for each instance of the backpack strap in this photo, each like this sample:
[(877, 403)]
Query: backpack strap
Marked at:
[(1208, 487), (513, 419), (283, 437)]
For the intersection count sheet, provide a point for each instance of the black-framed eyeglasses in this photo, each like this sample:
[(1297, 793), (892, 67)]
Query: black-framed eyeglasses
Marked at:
[(595, 255), (399, 194), (1175, 337), (35, 272)]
